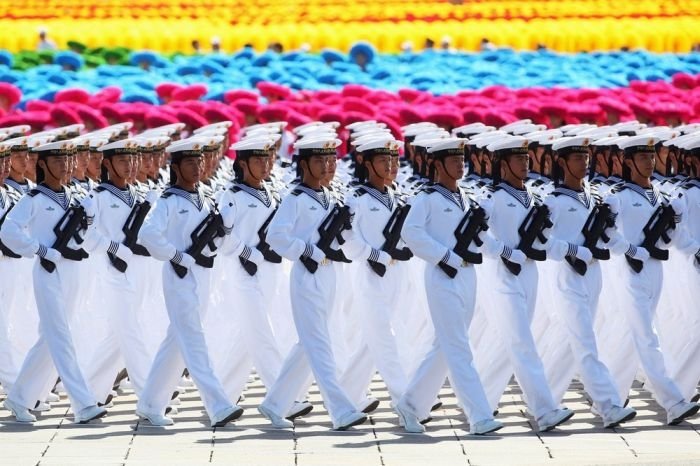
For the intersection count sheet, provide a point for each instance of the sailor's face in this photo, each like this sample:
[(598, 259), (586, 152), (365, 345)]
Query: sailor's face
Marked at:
[(577, 164), (644, 163), (395, 165), (4, 168), (58, 166), (192, 169), (519, 165), (260, 167), (320, 165), (19, 161), (454, 166)]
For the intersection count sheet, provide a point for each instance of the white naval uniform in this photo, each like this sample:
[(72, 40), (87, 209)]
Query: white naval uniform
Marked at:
[(376, 305), (245, 209), (293, 232), (511, 304), (576, 299), (119, 293), (639, 297), (429, 232), (27, 228), (165, 233)]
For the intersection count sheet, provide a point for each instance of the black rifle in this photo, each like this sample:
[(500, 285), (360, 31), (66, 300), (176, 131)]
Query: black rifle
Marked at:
[(392, 236), (268, 254), (66, 229), (466, 233), (333, 225), (131, 229), (658, 226), (7, 252), (210, 228), (593, 230), (536, 221)]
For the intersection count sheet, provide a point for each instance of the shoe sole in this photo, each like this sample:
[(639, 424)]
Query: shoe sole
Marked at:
[(97, 416), (684, 416), (629, 417), (554, 426), (230, 418), (489, 431), (371, 407), (301, 413), (362, 420)]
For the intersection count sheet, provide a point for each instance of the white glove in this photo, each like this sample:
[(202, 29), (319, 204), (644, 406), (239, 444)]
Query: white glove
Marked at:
[(614, 203), (639, 253), (384, 258), (255, 256), (516, 256), (152, 197), (492, 247), (52, 255), (90, 206), (617, 244), (186, 260), (454, 261), (679, 206), (124, 253), (584, 254), (318, 256)]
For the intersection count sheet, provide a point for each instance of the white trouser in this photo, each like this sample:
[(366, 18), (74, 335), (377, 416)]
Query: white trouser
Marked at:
[(56, 297), (641, 296), (125, 343), (512, 303), (312, 301), (577, 303), (184, 346), (451, 304), (376, 306)]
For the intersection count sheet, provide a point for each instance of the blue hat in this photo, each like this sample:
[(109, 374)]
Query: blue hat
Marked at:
[(6, 58), (364, 48), (68, 59)]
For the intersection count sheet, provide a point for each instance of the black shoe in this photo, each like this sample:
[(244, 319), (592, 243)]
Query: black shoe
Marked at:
[(695, 398), (627, 401), (175, 395), (120, 376), (230, 418), (371, 407), (495, 413), (301, 413), (426, 420), (109, 399), (436, 406)]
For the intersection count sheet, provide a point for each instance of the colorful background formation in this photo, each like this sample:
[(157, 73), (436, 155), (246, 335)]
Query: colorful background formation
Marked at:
[(554, 62)]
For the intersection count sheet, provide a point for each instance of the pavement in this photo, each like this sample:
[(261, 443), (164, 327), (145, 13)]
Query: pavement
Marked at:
[(121, 439)]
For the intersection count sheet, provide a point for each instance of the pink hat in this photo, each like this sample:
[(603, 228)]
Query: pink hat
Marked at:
[(195, 105), (191, 118), (356, 104), (410, 115), (392, 125), (63, 115), (11, 93), (411, 95), (351, 117), (611, 105), (238, 94), (72, 95), (40, 105), (108, 94), (553, 108), (295, 119), (684, 81), (155, 118), (585, 113), (445, 118), (92, 118), (269, 89), (332, 114), (165, 90), (272, 112), (473, 115), (247, 107), (37, 120), (355, 90), (223, 113), (497, 119), (113, 113), (529, 110), (191, 92)]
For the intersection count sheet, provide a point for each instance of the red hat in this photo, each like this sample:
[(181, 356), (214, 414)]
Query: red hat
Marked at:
[(217, 113), (269, 89), (195, 105), (155, 118), (238, 94), (356, 104), (72, 95), (611, 105), (496, 92), (587, 94), (113, 113), (295, 119), (392, 125), (412, 95), (445, 118), (529, 110), (37, 120), (11, 94), (191, 119), (191, 92), (332, 114), (498, 119), (40, 105), (351, 117), (134, 113), (640, 108), (63, 115), (92, 118), (355, 90), (684, 81), (326, 96), (473, 115), (410, 115), (553, 108), (247, 107), (165, 90), (585, 113), (107, 94), (675, 110), (272, 112)]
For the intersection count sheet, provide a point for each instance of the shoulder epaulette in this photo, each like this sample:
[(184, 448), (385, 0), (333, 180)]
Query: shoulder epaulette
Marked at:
[(296, 191), (235, 188), (99, 189), (166, 194), (360, 191), (33, 192)]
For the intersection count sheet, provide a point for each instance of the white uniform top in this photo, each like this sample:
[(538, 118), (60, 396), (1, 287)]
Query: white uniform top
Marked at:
[(637, 205), (244, 210), (569, 211), (429, 228), (112, 206), (30, 223), (170, 223), (506, 208), (294, 228)]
